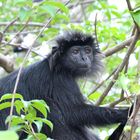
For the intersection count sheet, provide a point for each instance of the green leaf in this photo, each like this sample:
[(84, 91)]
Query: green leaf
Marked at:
[(17, 127), (127, 128), (51, 31), (138, 130), (108, 14), (59, 5), (136, 15), (48, 8), (10, 96), (47, 122), (40, 136), (94, 96), (123, 81), (23, 2), (24, 13), (29, 117), (19, 1), (26, 104), (39, 125), (15, 120), (5, 105), (8, 135), (40, 106), (30, 137), (19, 106), (44, 103), (32, 111), (117, 14), (62, 17)]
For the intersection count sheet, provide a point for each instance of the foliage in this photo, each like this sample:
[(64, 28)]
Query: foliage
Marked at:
[(25, 117), (5, 135), (114, 26)]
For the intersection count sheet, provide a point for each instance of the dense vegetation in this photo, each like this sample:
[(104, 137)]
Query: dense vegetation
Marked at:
[(27, 30)]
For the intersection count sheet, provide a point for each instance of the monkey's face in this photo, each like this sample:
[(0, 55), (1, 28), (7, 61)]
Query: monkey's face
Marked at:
[(79, 59), (78, 53)]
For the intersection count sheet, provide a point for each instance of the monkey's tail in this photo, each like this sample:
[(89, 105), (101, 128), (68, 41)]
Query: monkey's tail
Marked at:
[(117, 133)]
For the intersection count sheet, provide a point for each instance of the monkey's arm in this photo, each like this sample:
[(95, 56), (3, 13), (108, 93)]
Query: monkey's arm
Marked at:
[(98, 116)]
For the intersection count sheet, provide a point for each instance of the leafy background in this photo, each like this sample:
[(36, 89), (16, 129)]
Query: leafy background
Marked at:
[(31, 25)]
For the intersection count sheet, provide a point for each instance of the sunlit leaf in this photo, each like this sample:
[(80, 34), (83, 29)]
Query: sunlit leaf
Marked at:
[(40, 106), (15, 120), (58, 5), (5, 105), (39, 125), (24, 13), (6, 135), (47, 122), (136, 15), (19, 106), (10, 96)]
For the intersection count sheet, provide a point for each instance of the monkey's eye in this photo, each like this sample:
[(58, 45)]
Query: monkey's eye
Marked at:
[(88, 50), (75, 51)]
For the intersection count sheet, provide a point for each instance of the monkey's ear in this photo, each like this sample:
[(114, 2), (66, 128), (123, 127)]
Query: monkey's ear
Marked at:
[(54, 55)]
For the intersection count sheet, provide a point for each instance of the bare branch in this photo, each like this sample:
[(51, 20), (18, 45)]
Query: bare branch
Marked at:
[(8, 25), (34, 24), (118, 47), (99, 85), (24, 48), (121, 99), (17, 33), (130, 9)]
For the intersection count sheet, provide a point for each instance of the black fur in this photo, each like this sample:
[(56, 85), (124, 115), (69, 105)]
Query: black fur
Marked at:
[(52, 81)]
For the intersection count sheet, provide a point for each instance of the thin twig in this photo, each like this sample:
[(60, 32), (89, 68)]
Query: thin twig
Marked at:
[(130, 9), (95, 30), (121, 99), (33, 132), (118, 47), (34, 24), (17, 33), (25, 48), (21, 67), (101, 83), (8, 25)]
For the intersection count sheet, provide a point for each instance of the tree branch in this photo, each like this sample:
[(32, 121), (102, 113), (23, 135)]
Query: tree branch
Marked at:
[(22, 24), (101, 83), (118, 47)]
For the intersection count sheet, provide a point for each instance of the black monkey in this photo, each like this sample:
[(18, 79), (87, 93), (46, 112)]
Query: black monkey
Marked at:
[(54, 80)]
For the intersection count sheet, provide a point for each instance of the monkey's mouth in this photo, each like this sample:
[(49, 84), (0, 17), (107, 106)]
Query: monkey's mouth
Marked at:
[(84, 68)]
